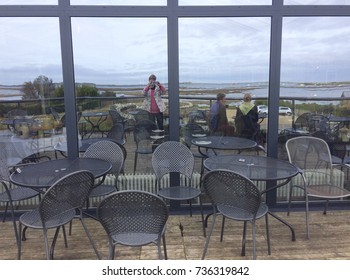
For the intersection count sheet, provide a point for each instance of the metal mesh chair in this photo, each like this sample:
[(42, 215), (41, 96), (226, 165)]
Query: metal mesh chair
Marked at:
[(142, 136), (314, 160), (116, 132), (11, 193), (60, 204), (174, 157), (235, 197), (133, 218), (111, 152)]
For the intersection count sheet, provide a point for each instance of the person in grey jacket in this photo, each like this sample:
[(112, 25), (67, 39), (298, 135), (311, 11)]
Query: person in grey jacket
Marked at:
[(153, 102)]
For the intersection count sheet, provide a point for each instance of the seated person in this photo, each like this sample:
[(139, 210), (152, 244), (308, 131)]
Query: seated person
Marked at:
[(246, 120), (218, 118)]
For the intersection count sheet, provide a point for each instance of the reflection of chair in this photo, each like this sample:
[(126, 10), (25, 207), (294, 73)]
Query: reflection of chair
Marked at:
[(111, 152), (174, 157), (193, 130), (235, 197), (116, 132), (58, 206), (133, 218), (12, 193), (16, 113), (142, 135), (141, 114), (117, 118), (312, 156)]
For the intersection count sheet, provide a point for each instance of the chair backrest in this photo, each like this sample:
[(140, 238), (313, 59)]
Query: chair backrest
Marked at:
[(16, 113), (4, 171), (227, 188), (116, 132), (172, 156), (190, 130), (309, 153), (108, 151), (116, 117), (143, 130), (68, 193), (141, 115), (132, 212), (54, 114)]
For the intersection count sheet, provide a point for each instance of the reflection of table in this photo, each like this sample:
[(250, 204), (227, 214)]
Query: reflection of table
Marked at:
[(257, 168), (95, 119), (43, 174), (223, 143), (15, 149), (84, 144)]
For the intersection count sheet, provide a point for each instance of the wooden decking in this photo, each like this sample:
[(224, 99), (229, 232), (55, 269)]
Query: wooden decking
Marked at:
[(329, 239)]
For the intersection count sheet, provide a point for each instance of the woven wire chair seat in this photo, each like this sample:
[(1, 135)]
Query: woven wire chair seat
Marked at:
[(179, 193), (133, 218), (241, 214)]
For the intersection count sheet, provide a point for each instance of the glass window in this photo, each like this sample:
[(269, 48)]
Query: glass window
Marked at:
[(222, 55), (28, 2), (224, 2), (114, 58), (317, 2), (314, 71), (30, 76), (120, 2)]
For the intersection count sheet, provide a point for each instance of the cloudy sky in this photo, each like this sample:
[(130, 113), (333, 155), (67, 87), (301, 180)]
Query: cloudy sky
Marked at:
[(126, 51)]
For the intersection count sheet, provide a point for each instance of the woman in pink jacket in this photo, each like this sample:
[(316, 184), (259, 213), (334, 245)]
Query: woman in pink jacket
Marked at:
[(153, 102)]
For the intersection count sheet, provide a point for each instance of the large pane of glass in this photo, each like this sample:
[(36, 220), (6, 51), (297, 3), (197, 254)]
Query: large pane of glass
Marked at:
[(114, 58), (317, 2), (30, 77), (315, 75), (28, 2), (224, 2), (222, 55), (120, 2)]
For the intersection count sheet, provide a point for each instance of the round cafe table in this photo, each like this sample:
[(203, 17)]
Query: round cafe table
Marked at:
[(257, 168), (43, 174), (222, 143)]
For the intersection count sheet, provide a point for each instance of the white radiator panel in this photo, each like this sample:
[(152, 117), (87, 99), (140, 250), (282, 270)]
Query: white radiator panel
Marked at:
[(146, 182)]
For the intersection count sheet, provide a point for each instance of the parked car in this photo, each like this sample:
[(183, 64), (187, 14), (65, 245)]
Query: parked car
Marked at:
[(285, 111), (263, 110)]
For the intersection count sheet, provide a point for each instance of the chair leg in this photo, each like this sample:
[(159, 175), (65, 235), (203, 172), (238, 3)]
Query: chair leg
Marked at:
[(52, 249), (164, 247), (111, 249), (222, 229), (5, 212), (244, 238), (307, 215), (208, 237), (65, 236), (89, 236), (290, 199), (254, 240), (326, 207), (19, 242), (268, 234), (202, 215), (135, 162)]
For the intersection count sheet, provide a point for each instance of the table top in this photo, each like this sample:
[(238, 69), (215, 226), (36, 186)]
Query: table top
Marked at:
[(95, 114), (44, 174), (224, 142), (85, 143), (256, 168)]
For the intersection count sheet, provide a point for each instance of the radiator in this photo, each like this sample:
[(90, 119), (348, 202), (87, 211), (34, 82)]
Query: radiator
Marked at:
[(146, 182)]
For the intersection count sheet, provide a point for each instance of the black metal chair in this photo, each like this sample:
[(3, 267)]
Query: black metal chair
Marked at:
[(313, 158), (60, 204), (174, 157), (142, 136), (235, 197), (111, 152), (133, 218), (116, 132), (12, 194), (117, 118)]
